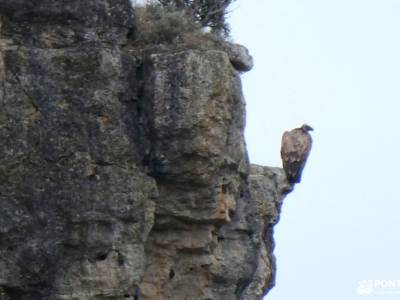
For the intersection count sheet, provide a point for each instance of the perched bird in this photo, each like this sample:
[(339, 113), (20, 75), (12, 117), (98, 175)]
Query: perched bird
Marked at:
[(296, 146)]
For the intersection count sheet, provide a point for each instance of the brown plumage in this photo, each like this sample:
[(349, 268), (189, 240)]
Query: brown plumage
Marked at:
[(296, 146)]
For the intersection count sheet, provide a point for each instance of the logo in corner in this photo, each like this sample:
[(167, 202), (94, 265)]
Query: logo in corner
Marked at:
[(365, 287)]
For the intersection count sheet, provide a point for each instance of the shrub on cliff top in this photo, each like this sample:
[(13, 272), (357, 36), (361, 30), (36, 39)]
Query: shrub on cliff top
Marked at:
[(206, 13), (159, 25)]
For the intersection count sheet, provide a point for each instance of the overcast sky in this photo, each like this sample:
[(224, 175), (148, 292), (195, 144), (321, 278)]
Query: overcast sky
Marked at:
[(335, 65)]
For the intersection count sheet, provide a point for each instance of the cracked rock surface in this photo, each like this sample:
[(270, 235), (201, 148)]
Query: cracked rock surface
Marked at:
[(125, 175)]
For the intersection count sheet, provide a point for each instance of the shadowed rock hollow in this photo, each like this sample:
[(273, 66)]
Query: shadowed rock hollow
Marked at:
[(124, 173)]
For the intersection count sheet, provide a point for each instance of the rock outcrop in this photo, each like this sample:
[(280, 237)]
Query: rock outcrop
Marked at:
[(125, 175)]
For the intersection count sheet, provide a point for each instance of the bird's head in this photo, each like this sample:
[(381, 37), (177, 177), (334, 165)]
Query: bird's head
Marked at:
[(307, 127)]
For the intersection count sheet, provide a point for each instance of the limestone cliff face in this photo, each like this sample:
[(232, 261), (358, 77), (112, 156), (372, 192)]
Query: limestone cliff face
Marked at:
[(125, 175)]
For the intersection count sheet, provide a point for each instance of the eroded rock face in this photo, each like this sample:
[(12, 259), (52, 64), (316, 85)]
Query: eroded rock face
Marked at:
[(57, 23), (268, 188), (76, 205), (194, 113), (124, 175)]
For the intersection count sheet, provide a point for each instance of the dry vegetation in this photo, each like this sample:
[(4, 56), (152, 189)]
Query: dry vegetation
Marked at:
[(169, 27), (207, 13)]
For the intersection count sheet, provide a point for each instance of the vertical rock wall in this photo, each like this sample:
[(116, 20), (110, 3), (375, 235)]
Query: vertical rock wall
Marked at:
[(124, 175), (76, 205)]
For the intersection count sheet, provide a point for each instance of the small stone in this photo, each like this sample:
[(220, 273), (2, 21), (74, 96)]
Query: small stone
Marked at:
[(240, 57)]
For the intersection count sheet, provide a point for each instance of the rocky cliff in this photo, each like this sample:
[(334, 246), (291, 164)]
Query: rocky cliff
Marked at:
[(124, 173)]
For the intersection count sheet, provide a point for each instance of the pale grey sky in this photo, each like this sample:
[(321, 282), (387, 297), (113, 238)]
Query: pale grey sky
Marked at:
[(334, 65)]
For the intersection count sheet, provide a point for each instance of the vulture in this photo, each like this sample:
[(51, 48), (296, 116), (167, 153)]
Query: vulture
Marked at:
[(296, 146)]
